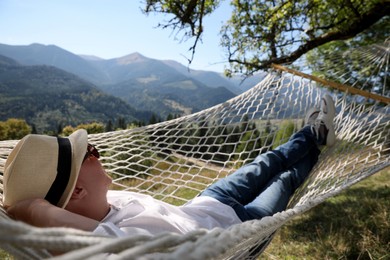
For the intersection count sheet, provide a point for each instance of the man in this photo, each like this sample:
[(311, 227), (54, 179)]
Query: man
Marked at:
[(59, 182)]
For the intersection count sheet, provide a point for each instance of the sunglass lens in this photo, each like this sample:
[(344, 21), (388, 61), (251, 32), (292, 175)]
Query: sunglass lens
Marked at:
[(91, 151)]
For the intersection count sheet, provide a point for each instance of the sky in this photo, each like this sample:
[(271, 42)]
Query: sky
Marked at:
[(108, 29)]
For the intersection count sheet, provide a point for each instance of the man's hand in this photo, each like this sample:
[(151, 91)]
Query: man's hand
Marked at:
[(40, 213)]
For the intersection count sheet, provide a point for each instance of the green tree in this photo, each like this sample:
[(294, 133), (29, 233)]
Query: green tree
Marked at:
[(261, 32), (121, 123), (3, 131), (33, 129), (59, 129), (325, 61), (153, 119), (14, 129), (170, 117), (92, 128), (267, 135), (68, 130), (286, 129), (249, 146), (109, 126), (244, 124)]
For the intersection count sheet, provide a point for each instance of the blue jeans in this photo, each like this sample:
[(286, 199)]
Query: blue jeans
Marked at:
[(264, 187)]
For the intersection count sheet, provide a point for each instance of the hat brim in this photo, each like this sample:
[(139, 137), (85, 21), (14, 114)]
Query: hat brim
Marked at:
[(79, 142)]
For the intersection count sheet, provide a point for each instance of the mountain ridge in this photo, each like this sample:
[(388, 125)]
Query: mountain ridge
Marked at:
[(91, 73), (133, 78), (47, 97)]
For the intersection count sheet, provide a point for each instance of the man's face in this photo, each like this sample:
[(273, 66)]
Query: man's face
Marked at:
[(93, 177), (89, 198)]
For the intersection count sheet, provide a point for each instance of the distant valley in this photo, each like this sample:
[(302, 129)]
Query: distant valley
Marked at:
[(48, 98), (133, 86)]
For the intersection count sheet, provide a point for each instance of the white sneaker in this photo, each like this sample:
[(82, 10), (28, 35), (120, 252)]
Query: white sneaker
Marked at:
[(323, 125), (312, 115)]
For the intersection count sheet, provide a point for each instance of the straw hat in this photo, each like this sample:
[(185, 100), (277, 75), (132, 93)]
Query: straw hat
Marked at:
[(46, 167)]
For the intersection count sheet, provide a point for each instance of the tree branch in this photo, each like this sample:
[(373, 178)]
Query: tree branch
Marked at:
[(363, 22)]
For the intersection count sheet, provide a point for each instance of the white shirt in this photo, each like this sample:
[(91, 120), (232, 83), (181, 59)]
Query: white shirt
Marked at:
[(137, 214)]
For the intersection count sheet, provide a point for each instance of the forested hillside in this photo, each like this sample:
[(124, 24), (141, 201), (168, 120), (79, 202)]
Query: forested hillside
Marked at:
[(161, 87), (47, 98)]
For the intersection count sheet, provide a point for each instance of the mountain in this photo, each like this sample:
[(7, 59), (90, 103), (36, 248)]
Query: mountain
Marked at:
[(163, 87), (236, 84), (47, 97), (5, 61), (100, 71), (51, 55), (178, 97), (247, 83), (150, 84), (134, 66), (209, 78)]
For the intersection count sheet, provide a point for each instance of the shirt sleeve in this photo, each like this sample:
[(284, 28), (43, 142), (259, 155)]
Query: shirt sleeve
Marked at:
[(109, 229)]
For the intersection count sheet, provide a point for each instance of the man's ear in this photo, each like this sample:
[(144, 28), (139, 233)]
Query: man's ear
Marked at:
[(79, 192)]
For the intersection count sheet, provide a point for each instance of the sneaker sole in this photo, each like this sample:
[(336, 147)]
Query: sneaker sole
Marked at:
[(327, 117)]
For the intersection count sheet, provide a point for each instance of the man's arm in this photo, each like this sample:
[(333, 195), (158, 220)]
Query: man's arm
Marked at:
[(40, 213)]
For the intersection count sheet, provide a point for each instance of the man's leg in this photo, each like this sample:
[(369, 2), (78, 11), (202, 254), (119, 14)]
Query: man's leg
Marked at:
[(244, 185), (278, 191)]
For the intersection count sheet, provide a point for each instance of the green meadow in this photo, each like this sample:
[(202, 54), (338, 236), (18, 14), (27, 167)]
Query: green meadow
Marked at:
[(353, 225)]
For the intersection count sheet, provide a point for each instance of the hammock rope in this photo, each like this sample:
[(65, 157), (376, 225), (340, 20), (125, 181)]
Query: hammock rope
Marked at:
[(175, 160)]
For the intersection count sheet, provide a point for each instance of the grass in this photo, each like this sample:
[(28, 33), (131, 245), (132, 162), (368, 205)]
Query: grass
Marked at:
[(174, 180), (352, 225)]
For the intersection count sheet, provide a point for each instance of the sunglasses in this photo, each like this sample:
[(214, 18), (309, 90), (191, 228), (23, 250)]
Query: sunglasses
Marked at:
[(91, 151)]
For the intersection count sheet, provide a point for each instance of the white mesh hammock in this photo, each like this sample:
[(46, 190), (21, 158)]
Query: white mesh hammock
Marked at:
[(175, 160)]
